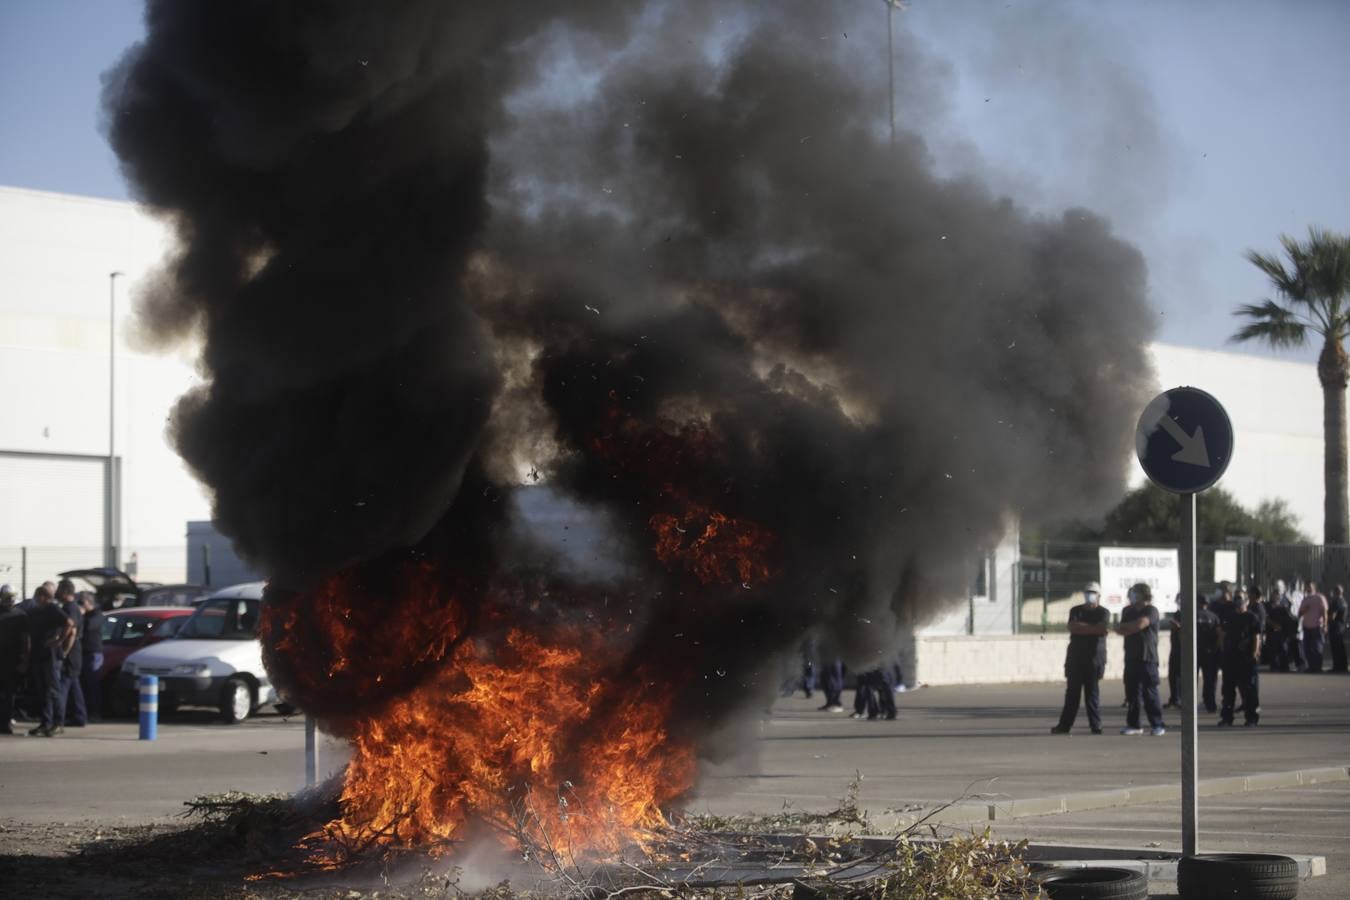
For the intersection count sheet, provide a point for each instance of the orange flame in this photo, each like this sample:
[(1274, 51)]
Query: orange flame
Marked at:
[(517, 740), (715, 548), (528, 736), (491, 717)]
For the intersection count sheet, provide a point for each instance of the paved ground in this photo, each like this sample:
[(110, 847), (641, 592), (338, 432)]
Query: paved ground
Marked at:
[(102, 773), (948, 742), (996, 740)]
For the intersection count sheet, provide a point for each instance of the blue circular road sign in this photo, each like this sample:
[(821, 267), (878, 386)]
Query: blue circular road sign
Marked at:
[(1184, 440)]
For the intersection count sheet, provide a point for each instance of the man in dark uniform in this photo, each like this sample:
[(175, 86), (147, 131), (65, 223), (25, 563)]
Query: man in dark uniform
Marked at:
[(1293, 648), (1258, 607), (1085, 661), (1207, 653), (70, 709), (1336, 611), (1281, 629), (51, 634), (1139, 625), (1172, 622), (1240, 635), (14, 653), (91, 659)]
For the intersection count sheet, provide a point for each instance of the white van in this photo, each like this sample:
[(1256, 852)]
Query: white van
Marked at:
[(215, 659)]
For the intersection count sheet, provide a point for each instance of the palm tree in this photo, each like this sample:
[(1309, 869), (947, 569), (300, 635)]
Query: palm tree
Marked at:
[(1313, 293)]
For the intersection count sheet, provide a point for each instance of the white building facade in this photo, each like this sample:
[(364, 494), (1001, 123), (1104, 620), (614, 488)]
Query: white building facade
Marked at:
[(57, 499), (58, 503)]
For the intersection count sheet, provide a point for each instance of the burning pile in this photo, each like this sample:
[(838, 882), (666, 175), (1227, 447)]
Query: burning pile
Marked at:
[(663, 256)]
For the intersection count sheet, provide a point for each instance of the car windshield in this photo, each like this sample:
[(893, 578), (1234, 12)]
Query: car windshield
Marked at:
[(125, 629), (173, 595), (223, 619)]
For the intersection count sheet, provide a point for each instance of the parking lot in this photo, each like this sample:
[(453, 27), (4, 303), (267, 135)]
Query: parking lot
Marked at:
[(986, 744)]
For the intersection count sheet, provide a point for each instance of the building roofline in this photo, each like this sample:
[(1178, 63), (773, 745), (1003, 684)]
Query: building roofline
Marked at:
[(78, 198)]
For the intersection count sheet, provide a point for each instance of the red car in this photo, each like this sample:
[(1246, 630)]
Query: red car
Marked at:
[(124, 632)]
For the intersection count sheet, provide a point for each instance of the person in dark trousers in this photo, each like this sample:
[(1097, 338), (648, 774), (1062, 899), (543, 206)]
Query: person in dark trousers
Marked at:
[(1336, 610), (1139, 625), (1172, 622), (1293, 648), (14, 654), (1240, 636), (1281, 630), (91, 659), (833, 684), (51, 634), (1207, 653), (70, 709), (874, 696), (1085, 661)]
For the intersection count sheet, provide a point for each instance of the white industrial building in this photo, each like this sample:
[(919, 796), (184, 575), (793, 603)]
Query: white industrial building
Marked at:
[(57, 253)]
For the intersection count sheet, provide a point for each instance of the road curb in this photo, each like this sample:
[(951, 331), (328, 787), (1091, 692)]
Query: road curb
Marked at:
[(1162, 793), (969, 813)]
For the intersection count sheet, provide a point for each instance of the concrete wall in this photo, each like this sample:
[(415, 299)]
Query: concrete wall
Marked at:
[(1001, 659)]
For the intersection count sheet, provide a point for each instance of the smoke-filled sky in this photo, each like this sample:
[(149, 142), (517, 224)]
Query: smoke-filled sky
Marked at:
[(1200, 129)]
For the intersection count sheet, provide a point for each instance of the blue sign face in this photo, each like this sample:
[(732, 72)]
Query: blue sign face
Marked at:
[(1184, 440)]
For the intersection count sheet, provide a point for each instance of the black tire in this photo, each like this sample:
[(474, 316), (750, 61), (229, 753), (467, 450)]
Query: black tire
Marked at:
[(1094, 883), (1231, 876), (234, 708)]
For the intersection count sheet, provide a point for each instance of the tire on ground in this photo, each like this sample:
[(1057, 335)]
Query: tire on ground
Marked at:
[(1258, 876), (1094, 883)]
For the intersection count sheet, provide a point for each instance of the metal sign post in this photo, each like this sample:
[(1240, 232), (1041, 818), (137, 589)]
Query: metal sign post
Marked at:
[(1190, 761), (1184, 442), (311, 751)]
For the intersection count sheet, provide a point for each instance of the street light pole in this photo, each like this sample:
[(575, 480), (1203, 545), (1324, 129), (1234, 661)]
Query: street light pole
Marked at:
[(891, 7), (890, 61), (114, 501)]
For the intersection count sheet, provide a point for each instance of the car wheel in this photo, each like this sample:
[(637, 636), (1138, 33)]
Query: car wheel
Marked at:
[(236, 701), (1259, 875), (1094, 883)]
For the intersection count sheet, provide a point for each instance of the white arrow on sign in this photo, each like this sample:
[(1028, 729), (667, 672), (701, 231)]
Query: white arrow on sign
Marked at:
[(1193, 450)]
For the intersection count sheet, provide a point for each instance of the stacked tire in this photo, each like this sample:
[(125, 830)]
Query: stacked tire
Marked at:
[(1094, 883), (1237, 876)]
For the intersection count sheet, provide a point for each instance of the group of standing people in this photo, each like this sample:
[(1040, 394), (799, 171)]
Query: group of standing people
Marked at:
[(51, 648), (1302, 626), (1236, 631), (1085, 662), (874, 690)]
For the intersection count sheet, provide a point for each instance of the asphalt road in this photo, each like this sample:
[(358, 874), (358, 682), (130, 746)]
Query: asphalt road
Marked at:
[(947, 743)]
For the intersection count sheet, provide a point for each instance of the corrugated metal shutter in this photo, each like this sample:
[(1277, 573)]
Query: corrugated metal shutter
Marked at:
[(53, 503)]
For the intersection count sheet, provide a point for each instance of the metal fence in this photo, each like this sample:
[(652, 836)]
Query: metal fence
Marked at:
[(25, 568), (1054, 572)]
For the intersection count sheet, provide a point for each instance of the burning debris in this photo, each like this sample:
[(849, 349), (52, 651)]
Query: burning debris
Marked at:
[(430, 247)]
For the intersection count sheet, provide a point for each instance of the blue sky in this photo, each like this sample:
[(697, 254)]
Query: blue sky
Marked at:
[(1200, 128)]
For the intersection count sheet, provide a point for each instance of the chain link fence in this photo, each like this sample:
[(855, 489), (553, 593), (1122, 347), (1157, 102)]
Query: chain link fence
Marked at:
[(24, 568), (1054, 572)]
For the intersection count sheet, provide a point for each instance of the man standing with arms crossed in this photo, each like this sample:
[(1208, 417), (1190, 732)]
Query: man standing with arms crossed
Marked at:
[(1085, 662), (1139, 625)]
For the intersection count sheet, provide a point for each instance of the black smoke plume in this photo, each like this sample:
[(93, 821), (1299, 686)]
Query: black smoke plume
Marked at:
[(432, 245)]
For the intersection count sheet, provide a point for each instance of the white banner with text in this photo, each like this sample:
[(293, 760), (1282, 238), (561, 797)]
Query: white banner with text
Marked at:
[(1123, 567)]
